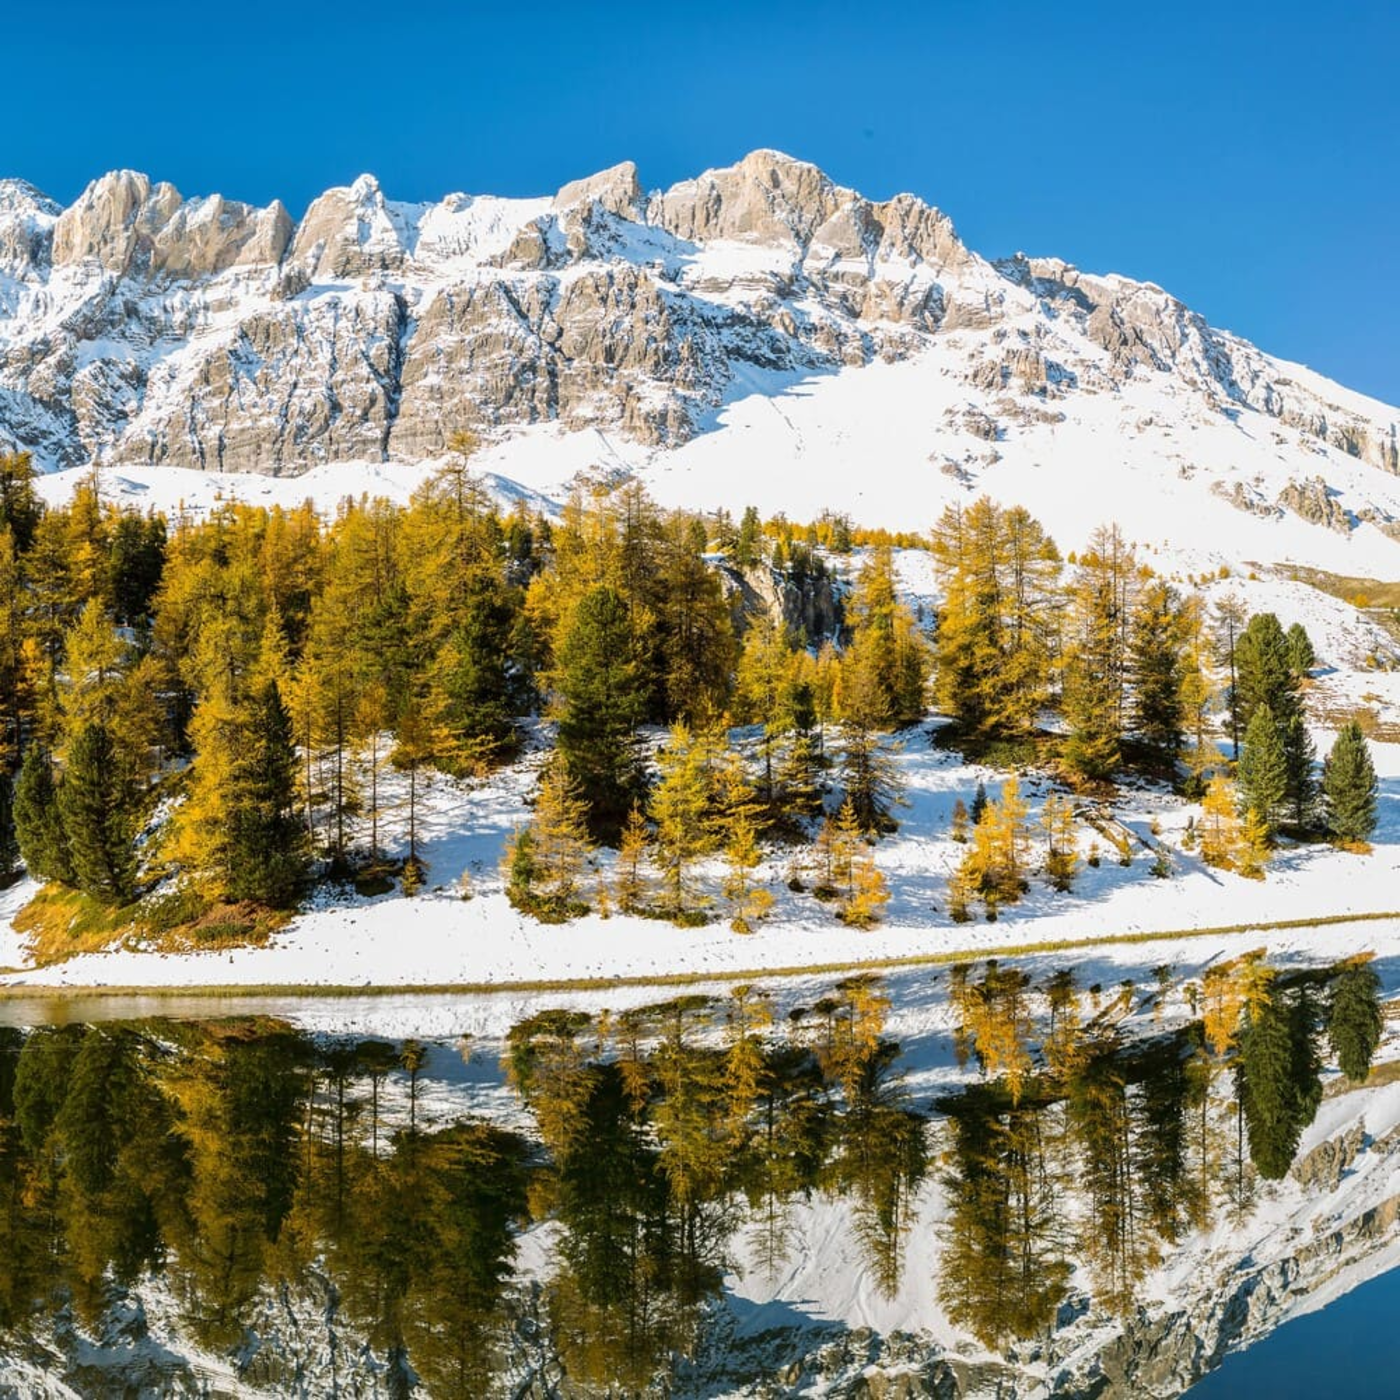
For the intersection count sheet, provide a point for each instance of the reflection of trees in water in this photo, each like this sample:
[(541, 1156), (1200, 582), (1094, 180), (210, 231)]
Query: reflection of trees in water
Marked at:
[(666, 1121), (232, 1155), (1135, 1125)]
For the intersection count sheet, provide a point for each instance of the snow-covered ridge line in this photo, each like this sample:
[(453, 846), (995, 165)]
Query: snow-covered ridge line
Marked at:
[(758, 333)]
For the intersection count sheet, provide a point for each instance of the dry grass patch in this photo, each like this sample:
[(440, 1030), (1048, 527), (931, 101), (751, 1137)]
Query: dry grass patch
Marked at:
[(60, 923)]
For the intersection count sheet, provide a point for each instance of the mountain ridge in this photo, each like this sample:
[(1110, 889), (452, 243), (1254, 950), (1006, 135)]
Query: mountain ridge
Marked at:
[(142, 328)]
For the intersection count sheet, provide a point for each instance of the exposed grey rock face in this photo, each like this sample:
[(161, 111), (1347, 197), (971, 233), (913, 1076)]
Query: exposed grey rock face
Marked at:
[(1315, 503), (138, 326), (127, 225)]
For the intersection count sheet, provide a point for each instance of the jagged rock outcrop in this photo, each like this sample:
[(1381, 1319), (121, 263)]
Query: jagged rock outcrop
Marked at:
[(128, 226), (141, 327), (809, 604), (1314, 502)]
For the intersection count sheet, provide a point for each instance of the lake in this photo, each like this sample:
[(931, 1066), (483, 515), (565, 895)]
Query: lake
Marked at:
[(694, 1196)]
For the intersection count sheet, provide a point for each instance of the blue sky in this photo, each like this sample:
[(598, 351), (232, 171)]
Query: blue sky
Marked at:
[(1245, 155)]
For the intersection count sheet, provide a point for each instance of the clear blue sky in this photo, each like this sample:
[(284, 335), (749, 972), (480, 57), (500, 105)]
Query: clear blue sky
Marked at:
[(1244, 155)]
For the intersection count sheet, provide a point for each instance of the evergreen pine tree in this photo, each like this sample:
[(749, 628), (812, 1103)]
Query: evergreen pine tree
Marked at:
[(96, 807), (9, 842), (1301, 655), (1264, 671), (21, 507), (38, 822), (748, 543), (267, 844), (1278, 1077), (1349, 788), (1299, 754), (603, 693), (519, 868), (1354, 1023), (1264, 1076), (1263, 768), (1157, 668)]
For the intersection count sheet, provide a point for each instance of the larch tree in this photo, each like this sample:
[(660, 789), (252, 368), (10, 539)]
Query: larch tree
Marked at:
[(1062, 852), (1197, 689), (558, 847), (1231, 615), (630, 884), (869, 892), (869, 777), (997, 627), (761, 688), (680, 810), (737, 835), (1096, 656), (1220, 826)]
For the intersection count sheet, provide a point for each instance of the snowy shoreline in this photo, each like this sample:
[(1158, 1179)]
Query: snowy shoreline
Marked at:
[(223, 975)]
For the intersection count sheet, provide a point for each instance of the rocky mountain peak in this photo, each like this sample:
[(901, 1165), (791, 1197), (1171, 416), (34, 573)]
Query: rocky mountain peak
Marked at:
[(767, 198), (617, 190), (113, 219), (20, 197), (138, 327), (127, 225), (352, 230)]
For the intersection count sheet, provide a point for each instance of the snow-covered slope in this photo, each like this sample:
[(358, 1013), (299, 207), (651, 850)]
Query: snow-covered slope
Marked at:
[(755, 334)]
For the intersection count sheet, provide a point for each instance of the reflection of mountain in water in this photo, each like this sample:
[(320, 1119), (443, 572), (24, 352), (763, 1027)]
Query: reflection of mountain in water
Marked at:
[(234, 1208)]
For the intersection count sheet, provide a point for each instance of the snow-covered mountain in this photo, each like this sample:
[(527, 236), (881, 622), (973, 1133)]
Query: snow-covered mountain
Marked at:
[(756, 334)]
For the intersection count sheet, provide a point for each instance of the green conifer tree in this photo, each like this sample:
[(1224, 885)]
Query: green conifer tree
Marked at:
[(1277, 1079), (98, 816), (1300, 754), (38, 822), (1349, 788), (603, 693), (267, 843), (1156, 664), (1264, 671), (1263, 768), (1301, 655), (9, 842), (1354, 1023)]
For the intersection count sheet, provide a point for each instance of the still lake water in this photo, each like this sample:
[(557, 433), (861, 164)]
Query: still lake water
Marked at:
[(1349, 1350), (584, 1194)]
